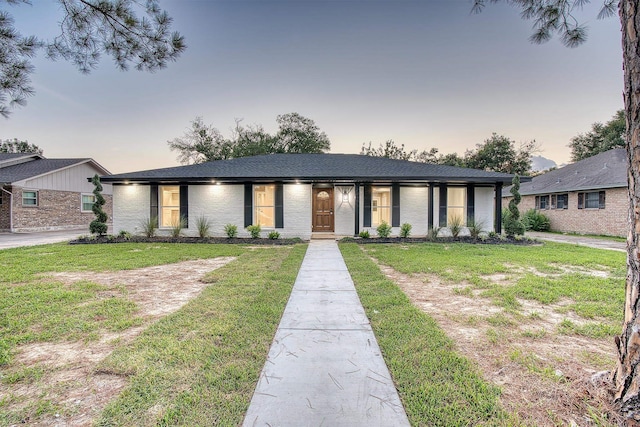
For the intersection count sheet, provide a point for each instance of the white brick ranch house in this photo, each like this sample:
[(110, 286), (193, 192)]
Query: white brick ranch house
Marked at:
[(301, 194)]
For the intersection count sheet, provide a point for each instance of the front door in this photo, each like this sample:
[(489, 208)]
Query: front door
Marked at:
[(322, 209)]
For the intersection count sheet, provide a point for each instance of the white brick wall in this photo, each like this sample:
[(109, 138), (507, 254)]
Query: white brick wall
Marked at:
[(414, 207), (220, 204), (297, 211), (484, 207), (130, 207)]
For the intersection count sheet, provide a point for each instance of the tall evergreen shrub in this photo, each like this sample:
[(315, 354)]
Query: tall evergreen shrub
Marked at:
[(99, 225), (512, 224)]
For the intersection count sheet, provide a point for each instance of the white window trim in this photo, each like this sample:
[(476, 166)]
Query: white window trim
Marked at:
[(82, 203), (255, 207), (390, 207), (37, 198), (464, 205), (160, 206)]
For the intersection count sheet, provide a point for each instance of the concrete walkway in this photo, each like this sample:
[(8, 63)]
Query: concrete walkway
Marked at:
[(592, 242), (324, 367)]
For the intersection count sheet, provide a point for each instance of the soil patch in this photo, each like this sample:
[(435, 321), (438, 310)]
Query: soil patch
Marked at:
[(546, 378), (94, 240), (70, 379)]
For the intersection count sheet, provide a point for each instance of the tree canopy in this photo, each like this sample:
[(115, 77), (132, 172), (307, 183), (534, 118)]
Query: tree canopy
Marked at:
[(497, 153), (204, 143), (88, 29), (601, 137), (15, 146)]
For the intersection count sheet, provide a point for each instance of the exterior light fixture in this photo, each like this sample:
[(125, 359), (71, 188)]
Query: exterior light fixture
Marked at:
[(345, 196)]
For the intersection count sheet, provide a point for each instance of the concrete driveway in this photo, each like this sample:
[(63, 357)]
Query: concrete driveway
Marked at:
[(16, 240), (593, 242)]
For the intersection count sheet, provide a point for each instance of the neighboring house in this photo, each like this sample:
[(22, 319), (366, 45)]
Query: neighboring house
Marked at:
[(301, 194), (587, 197), (38, 194)]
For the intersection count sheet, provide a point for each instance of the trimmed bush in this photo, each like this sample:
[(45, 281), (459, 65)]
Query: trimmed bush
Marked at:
[(535, 221), (405, 230), (384, 230), (232, 231), (99, 225), (364, 234), (254, 230), (273, 235)]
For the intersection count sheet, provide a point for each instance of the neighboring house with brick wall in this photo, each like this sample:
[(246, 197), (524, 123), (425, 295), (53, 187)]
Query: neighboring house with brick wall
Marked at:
[(37, 193), (586, 197), (300, 194)]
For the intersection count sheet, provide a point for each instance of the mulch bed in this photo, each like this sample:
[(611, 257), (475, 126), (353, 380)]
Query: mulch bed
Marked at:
[(93, 240), (493, 240)]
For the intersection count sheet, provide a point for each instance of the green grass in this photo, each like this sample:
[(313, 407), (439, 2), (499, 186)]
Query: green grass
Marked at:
[(558, 277), (437, 385), (200, 365)]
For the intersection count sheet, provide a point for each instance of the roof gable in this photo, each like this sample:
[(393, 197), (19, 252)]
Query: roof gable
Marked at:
[(41, 166)]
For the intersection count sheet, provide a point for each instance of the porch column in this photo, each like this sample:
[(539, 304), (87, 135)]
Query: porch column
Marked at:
[(498, 209), (357, 210)]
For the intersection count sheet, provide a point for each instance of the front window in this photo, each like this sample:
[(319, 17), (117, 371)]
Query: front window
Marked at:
[(563, 201), (456, 197), (264, 202), (169, 205), (592, 200), (87, 202), (380, 205), (30, 198), (544, 202)]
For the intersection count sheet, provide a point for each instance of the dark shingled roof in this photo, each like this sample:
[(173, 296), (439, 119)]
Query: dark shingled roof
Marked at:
[(330, 167), (33, 168), (604, 170)]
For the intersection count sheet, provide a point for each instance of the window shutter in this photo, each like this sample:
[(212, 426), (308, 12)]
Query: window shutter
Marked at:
[(601, 200), (279, 196), (184, 204), (248, 204), (538, 202), (566, 201), (580, 200), (153, 201), (395, 205), (553, 201), (366, 220), (471, 200), (442, 214)]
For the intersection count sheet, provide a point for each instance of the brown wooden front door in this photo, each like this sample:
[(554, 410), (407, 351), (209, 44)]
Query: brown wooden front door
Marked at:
[(322, 209)]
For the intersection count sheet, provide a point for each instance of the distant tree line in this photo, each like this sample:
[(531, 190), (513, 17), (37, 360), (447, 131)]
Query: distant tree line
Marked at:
[(15, 146), (601, 137)]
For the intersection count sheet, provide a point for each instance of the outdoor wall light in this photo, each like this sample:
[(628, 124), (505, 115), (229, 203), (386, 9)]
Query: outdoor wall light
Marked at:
[(345, 196)]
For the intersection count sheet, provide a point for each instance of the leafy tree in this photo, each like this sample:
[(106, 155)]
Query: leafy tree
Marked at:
[(389, 150), (499, 154), (512, 224), (89, 28), (15, 146), (556, 17), (201, 143), (99, 225), (296, 134), (601, 138)]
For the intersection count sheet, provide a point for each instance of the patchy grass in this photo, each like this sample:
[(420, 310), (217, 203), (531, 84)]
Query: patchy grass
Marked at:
[(437, 385), (589, 282), (200, 365)]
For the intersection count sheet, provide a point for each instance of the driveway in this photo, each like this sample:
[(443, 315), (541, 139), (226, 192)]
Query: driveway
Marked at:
[(593, 242), (16, 240)]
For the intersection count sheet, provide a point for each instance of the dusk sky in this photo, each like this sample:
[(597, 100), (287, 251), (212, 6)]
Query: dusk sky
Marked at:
[(423, 73)]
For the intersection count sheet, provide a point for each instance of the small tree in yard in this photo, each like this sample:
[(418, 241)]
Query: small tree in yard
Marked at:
[(513, 226), (99, 225)]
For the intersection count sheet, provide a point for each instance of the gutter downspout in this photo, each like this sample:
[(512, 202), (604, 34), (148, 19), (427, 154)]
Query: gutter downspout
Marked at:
[(10, 208)]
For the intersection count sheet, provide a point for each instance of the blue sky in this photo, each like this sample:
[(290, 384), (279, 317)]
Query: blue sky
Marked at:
[(423, 73)]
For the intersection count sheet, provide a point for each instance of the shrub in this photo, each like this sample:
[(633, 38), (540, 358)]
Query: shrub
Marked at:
[(475, 228), (232, 231), (99, 225), (203, 225), (273, 235), (455, 225), (432, 235), (364, 234), (177, 226), (254, 230), (512, 224), (384, 230), (405, 230), (125, 234), (149, 226), (536, 221)]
